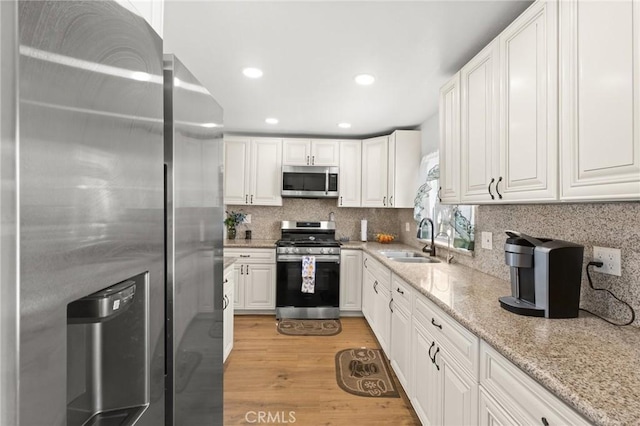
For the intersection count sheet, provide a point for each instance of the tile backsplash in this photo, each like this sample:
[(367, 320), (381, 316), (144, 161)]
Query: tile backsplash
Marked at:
[(265, 221), (615, 225)]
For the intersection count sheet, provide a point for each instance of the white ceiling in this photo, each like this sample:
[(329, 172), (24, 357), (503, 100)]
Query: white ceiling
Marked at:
[(311, 50)]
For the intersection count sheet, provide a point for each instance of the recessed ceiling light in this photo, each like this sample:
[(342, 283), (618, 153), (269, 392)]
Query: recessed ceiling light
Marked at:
[(271, 121), (365, 79), (252, 72), (344, 125)]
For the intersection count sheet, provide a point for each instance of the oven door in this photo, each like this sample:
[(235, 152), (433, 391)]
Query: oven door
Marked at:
[(289, 282)]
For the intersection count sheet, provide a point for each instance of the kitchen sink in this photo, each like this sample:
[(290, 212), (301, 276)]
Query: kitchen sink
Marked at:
[(415, 259), (407, 257)]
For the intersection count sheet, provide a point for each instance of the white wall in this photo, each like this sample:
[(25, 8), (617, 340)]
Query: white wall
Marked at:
[(430, 134)]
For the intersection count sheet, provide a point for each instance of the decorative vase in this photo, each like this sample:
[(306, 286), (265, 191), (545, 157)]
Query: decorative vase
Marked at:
[(231, 233)]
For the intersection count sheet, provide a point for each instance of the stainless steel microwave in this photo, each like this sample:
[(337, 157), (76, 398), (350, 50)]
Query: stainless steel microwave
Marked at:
[(309, 182)]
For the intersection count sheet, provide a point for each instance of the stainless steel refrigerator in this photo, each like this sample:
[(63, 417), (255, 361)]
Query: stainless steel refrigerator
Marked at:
[(82, 199), (194, 215)]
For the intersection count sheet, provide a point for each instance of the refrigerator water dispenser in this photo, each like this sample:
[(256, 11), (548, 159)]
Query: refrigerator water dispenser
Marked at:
[(107, 352)]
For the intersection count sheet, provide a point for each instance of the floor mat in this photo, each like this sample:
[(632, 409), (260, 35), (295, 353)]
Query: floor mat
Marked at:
[(309, 327), (365, 372)]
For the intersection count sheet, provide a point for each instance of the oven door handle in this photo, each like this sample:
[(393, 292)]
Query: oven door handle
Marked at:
[(298, 258)]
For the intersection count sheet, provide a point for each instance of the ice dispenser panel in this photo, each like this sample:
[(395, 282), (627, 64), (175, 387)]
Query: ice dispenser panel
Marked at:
[(107, 351)]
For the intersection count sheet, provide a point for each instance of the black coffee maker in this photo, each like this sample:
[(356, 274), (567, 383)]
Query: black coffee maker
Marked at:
[(545, 276)]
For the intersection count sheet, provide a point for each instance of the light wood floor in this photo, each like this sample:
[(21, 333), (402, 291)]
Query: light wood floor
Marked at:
[(279, 374)]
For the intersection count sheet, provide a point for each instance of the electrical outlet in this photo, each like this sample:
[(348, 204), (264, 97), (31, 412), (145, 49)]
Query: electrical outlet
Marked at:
[(406, 226), (610, 257), (487, 240), (247, 219)]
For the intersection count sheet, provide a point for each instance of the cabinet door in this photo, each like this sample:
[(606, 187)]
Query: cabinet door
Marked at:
[(236, 171), (600, 108), (382, 319), (266, 172), (374, 171), (238, 284), (401, 346), (296, 152), (490, 413), (325, 152), (350, 177), (449, 191), (405, 147), (479, 147), (260, 289), (425, 396), (228, 313), (528, 106), (351, 280), (368, 300), (459, 393)]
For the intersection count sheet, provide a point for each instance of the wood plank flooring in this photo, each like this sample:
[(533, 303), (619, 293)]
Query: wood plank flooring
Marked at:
[(292, 379)]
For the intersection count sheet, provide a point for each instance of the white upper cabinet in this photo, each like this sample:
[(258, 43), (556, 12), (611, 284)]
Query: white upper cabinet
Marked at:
[(350, 177), (528, 106), (151, 10), (374, 171), (600, 108), (449, 191), (390, 167), (403, 168), (252, 171), (479, 145), (310, 152)]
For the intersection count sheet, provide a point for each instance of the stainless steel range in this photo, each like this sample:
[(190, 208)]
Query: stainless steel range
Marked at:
[(315, 243)]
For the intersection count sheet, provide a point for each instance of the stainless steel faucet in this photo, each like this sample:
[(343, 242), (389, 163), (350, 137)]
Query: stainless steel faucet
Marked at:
[(432, 249)]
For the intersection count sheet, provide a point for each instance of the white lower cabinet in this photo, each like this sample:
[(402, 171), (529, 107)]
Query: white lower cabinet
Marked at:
[(255, 279), (350, 280), (515, 393), (227, 312), (376, 300), (400, 339), (444, 392), (490, 413)]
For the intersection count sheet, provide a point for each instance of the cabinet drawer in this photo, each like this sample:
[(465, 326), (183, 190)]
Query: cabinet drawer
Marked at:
[(252, 255), (401, 292), (380, 272), (523, 398), (462, 345)]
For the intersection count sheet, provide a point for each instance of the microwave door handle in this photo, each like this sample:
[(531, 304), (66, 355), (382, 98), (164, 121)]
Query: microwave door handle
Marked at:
[(326, 182)]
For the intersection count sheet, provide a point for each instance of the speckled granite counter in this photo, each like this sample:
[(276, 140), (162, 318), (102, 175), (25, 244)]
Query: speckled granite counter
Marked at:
[(228, 261), (591, 365), (242, 243)]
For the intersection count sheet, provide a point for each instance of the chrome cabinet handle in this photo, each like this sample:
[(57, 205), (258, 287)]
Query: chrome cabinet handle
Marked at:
[(492, 197), (433, 321), (434, 357), (439, 194), (384, 201), (375, 284), (390, 308), (391, 201), (497, 190)]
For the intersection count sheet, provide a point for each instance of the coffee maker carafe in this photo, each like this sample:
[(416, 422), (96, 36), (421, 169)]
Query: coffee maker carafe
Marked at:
[(545, 274)]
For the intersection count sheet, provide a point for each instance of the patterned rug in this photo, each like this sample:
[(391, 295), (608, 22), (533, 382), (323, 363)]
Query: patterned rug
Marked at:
[(309, 327), (365, 372)]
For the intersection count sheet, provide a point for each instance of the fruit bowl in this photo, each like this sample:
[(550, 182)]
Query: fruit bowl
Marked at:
[(385, 238)]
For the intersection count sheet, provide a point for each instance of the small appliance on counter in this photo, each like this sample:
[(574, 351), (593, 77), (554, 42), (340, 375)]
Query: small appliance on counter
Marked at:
[(546, 276)]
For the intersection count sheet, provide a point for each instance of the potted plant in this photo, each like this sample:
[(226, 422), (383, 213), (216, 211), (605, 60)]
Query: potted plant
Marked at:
[(232, 220)]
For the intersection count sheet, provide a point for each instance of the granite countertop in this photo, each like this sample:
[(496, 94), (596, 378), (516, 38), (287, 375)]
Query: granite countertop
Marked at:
[(591, 365), (228, 261)]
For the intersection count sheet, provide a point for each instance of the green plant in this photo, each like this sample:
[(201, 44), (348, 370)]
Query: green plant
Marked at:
[(233, 219)]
